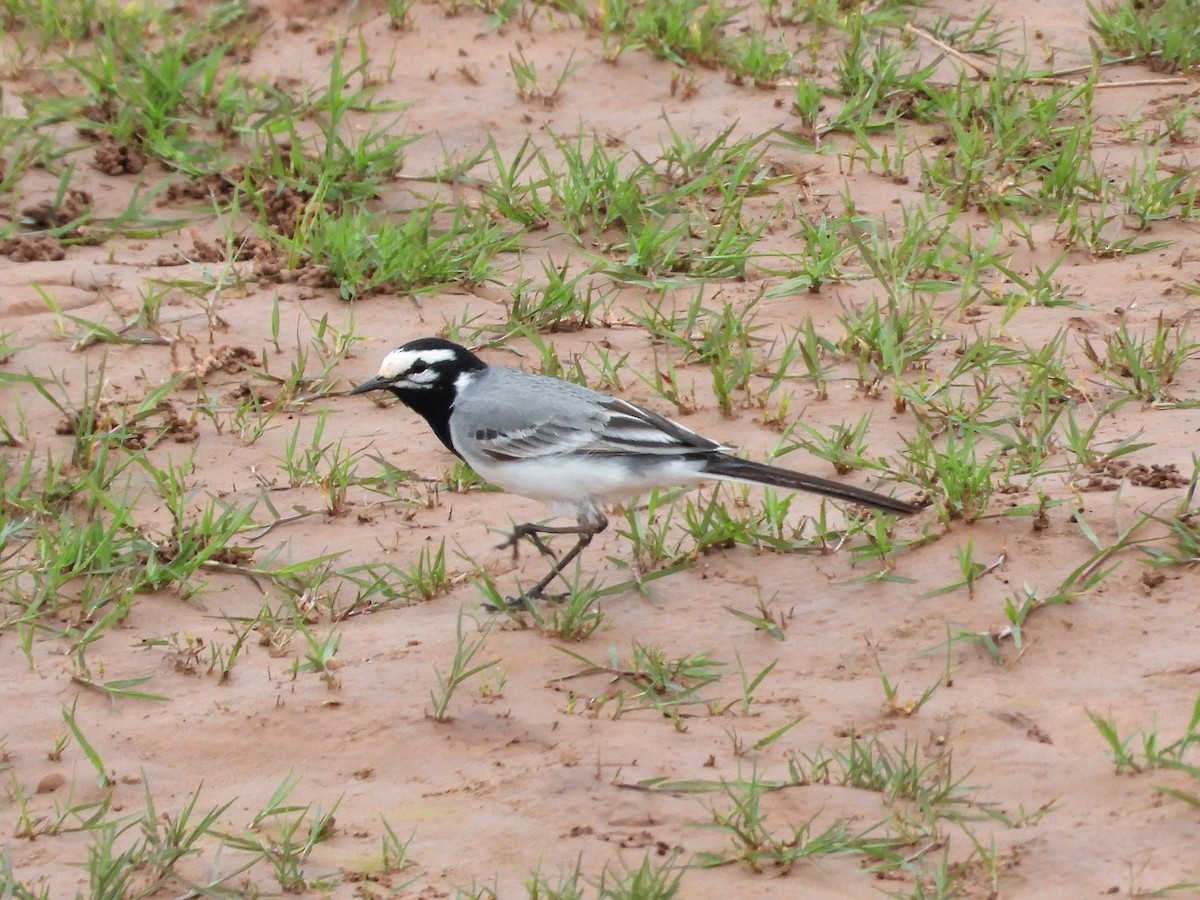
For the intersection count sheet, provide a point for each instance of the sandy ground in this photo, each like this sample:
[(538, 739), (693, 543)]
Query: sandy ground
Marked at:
[(539, 767)]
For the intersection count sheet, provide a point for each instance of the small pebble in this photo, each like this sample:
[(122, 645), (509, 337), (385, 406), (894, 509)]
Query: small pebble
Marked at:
[(50, 783)]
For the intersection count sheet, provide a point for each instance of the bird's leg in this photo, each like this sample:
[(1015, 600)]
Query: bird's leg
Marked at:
[(556, 570), (588, 527)]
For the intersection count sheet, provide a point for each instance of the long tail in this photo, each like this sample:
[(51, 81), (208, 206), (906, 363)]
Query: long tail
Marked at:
[(719, 465)]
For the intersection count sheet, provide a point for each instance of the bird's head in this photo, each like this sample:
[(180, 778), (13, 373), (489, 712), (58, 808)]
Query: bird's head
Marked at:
[(424, 366)]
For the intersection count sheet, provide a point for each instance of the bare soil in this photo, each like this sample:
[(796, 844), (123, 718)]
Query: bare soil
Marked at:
[(537, 770)]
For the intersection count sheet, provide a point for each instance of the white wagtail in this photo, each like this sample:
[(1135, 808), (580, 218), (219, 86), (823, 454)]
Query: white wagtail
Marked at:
[(570, 446)]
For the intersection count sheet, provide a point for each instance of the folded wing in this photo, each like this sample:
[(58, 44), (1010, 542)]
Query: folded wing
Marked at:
[(612, 426)]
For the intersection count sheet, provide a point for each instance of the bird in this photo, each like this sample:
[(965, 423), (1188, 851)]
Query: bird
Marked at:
[(575, 448)]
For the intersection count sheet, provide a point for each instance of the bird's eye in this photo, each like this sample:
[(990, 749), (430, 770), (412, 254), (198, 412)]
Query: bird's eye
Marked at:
[(419, 366)]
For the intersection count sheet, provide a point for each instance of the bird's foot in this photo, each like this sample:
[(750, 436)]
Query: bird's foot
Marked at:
[(527, 531), (507, 605), (523, 602)]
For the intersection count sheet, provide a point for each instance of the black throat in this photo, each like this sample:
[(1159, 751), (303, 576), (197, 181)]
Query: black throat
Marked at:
[(434, 404)]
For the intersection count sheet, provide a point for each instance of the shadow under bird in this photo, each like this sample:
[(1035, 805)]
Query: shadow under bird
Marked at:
[(575, 448)]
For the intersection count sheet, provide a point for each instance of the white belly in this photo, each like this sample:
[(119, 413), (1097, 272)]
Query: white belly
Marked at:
[(585, 481)]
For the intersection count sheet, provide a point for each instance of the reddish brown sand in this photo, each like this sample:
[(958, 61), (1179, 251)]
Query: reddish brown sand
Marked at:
[(536, 769)]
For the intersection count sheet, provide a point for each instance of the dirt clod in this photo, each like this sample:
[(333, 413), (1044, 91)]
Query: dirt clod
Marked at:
[(1152, 579), (114, 159), (205, 188), (45, 214), (1107, 475), (225, 358), (33, 248)]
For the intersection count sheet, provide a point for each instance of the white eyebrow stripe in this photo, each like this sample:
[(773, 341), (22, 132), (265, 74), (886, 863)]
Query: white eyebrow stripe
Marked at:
[(399, 361)]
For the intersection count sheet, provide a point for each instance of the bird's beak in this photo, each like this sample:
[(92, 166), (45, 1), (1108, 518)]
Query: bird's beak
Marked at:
[(371, 384)]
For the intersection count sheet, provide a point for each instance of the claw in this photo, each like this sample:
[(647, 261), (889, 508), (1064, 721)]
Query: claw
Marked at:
[(530, 532), (524, 601), (509, 604)]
